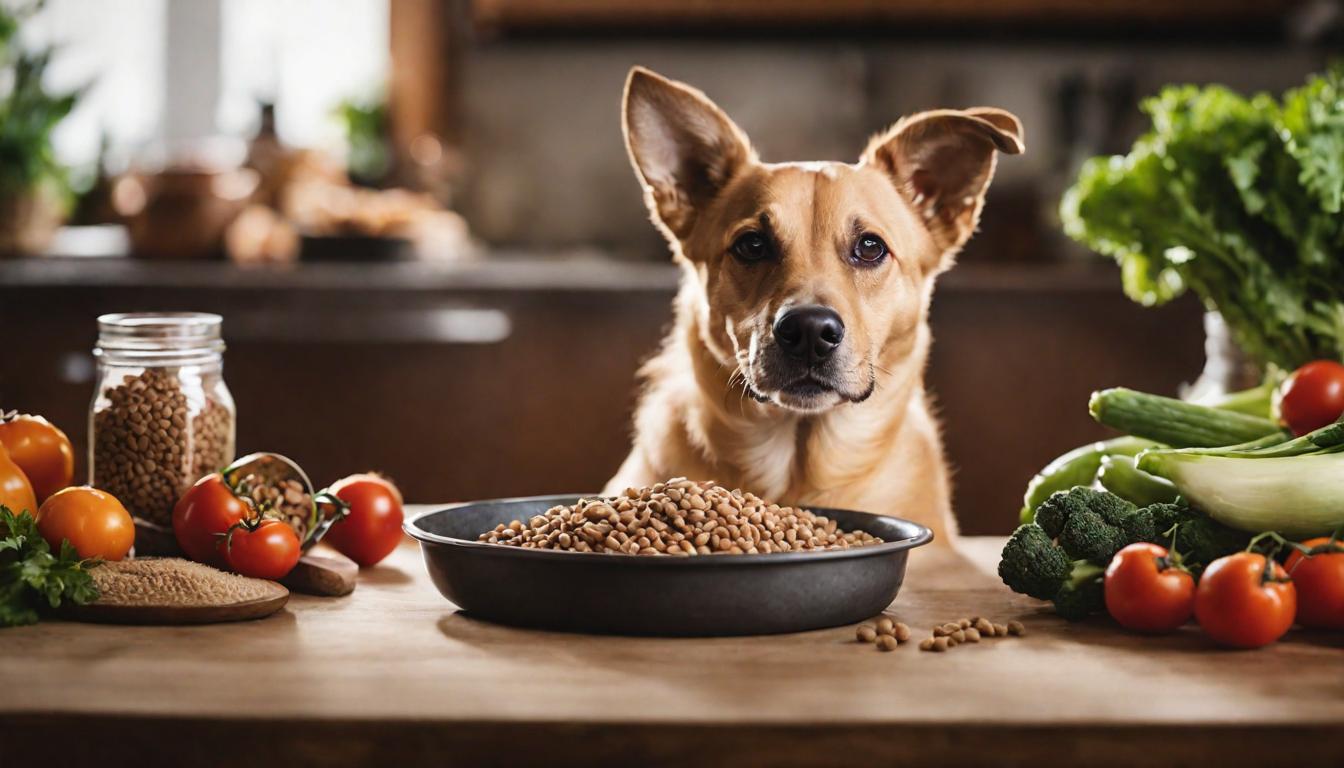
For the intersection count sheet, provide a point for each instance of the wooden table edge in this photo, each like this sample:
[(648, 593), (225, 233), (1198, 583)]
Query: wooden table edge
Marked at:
[(112, 740)]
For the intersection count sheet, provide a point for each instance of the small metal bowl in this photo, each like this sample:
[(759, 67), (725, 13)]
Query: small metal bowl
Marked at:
[(650, 595)]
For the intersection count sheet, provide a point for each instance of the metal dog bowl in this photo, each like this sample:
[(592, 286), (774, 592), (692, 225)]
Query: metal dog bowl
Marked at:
[(649, 595)]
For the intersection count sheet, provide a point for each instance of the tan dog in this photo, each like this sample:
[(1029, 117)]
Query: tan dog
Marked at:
[(795, 366)]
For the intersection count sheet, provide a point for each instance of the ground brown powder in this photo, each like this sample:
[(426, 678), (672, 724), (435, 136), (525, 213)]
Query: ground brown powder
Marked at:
[(172, 581)]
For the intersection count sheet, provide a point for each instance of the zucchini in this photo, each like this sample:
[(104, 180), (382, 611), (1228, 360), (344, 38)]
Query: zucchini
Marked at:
[(1175, 422)]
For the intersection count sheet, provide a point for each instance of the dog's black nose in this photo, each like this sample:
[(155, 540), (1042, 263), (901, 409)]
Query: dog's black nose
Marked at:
[(809, 333)]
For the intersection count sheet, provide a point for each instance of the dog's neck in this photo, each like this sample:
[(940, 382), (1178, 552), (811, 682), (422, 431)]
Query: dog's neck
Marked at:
[(780, 453)]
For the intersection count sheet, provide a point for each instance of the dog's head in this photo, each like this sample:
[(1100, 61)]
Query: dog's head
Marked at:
[(813, 276)]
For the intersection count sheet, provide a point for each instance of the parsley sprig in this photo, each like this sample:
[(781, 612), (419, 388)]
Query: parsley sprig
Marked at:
[(32, 577)]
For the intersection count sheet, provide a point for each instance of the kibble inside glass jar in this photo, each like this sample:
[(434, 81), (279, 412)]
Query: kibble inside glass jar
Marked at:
[(161, 416)]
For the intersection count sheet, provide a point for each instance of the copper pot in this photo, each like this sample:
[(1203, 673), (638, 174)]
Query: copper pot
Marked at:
[(181, 213)]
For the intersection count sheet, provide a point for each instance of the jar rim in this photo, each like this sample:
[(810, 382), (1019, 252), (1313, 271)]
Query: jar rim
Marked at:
[(159, 332)]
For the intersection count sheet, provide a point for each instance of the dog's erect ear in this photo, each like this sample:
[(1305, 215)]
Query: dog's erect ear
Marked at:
[(683, 147), (942, 162)]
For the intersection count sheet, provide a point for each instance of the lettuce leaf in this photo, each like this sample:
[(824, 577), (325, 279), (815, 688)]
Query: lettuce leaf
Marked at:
[(1238, 200)]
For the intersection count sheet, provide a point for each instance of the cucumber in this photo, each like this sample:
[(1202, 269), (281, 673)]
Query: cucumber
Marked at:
[(1175, 422), (1121, 476), (1077, 467)]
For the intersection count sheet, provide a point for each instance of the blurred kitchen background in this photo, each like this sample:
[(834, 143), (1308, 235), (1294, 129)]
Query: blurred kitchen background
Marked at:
[(419, 223)]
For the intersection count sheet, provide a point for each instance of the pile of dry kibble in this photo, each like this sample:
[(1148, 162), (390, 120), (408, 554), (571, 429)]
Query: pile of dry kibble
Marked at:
[(887, 634), (148, 447), (679, 517), (288, 499)]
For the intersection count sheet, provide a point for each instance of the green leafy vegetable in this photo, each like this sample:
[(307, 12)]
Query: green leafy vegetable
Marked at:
[(1237, 199), (31, 576)]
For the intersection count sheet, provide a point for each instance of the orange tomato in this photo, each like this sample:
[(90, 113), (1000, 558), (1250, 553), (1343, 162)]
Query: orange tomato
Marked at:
[(15, 490), (93, 521), (41, 450)]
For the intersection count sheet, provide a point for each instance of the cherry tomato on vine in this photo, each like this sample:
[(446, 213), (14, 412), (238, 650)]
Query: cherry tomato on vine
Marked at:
[(268, 549), (1312, 397), (1319, 580), (93, 521), (41, 450), (1238, 604), (203, 515), (1146, 591), (372, 529), (15, 490)]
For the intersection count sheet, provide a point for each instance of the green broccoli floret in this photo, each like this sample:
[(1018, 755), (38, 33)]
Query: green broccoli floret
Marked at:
[(1087, 536), (1054, 513), (1083, 593), (1201, 540), (1032, 564)]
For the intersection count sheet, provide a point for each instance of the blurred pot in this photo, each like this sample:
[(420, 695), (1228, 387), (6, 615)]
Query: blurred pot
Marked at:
[(29, 220), (181, 213)]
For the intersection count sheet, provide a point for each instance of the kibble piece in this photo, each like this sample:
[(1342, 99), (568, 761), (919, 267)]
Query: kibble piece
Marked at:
[(886, 643), (951, 641), (885, 626), (941, 644), (972, 635), (963, 623), (1016, 628), (938, 631), (902, 632), (950, 627), (865, 633), (985, 628), (1000, 630), (926, 644), (959, 635)]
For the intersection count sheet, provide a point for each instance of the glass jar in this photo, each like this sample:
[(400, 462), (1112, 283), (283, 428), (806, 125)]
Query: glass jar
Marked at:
[(161, 416)]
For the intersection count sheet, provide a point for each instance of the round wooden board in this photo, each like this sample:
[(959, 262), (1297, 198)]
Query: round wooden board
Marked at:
[(103, 613)]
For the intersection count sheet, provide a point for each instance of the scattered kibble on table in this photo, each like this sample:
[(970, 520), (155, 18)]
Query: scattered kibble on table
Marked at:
[(888, 633)]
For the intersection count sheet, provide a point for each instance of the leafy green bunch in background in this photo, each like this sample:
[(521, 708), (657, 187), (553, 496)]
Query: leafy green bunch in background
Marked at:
[(1238, 199), (28, 114)]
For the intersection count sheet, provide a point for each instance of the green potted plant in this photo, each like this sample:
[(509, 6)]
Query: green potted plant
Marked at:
[(34, 191)]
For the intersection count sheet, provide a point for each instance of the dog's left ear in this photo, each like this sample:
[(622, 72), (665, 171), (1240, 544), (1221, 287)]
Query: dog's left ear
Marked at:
[(942, 162), (684, 148)]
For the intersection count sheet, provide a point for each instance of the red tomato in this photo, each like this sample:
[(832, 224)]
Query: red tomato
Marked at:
[(1319, 581), (373, 528), (1312, 397), (41, 450), (267, 550), (1238, 606), (1146, 592), (203, 515), (93, 521)]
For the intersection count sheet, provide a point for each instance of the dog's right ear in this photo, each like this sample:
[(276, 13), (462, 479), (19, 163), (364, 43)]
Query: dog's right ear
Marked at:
[(683, 147)]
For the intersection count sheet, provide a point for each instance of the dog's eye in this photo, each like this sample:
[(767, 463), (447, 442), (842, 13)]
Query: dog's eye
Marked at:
[(751, 246), (869, 248)]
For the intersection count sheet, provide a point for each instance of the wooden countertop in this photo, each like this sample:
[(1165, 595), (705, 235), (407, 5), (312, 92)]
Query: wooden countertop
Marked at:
[(393, 675)]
